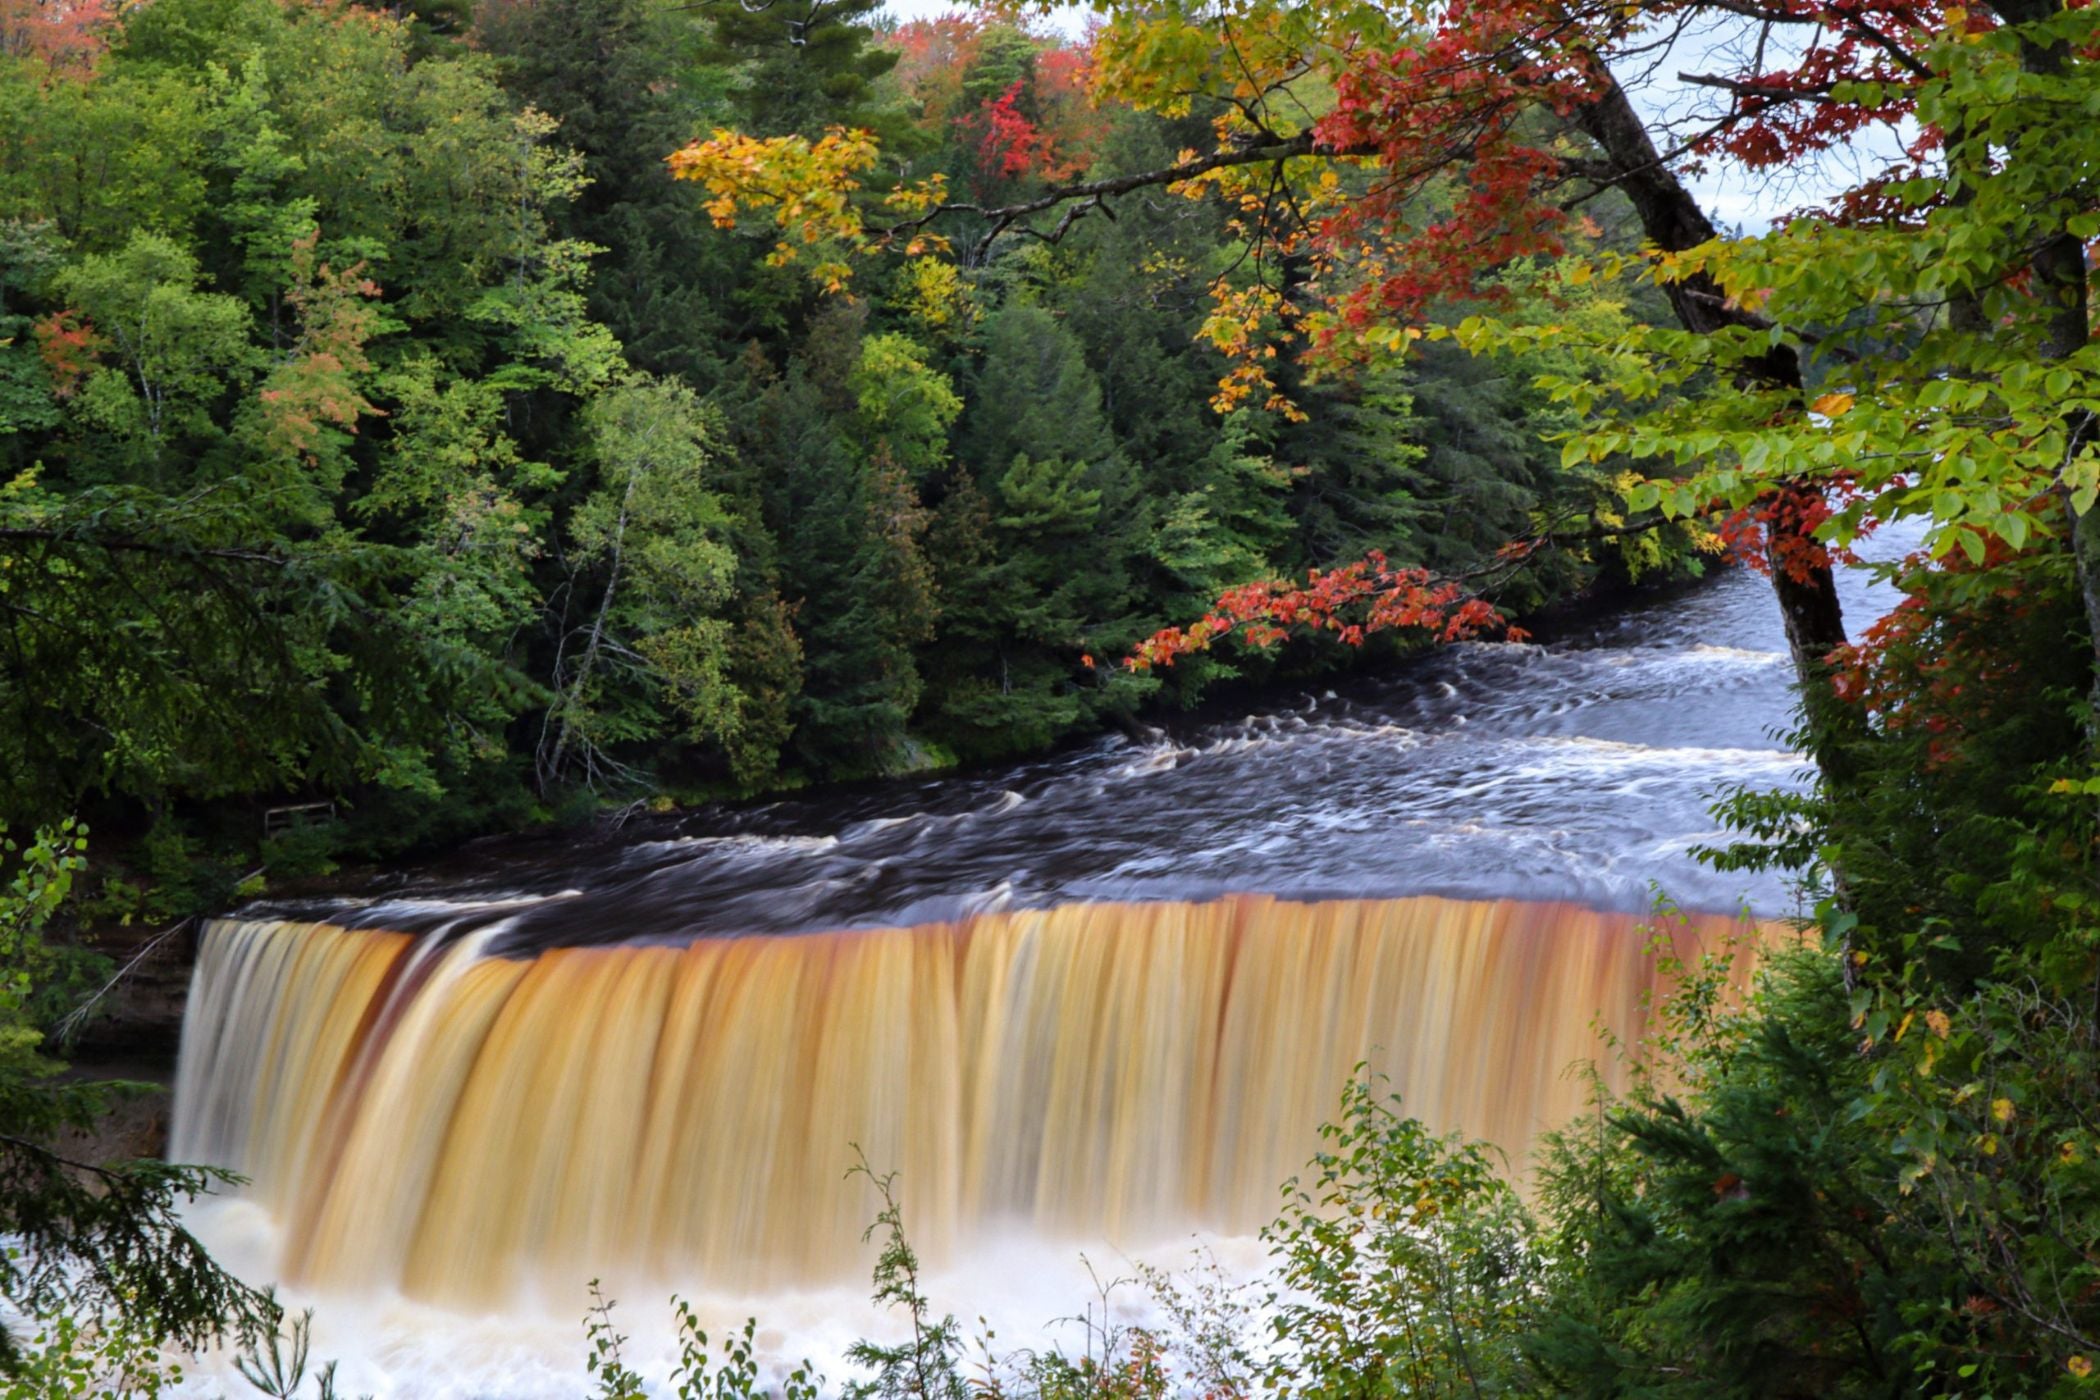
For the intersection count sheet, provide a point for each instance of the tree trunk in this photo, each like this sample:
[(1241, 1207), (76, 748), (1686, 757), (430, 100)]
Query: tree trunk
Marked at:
[(1673, 221)]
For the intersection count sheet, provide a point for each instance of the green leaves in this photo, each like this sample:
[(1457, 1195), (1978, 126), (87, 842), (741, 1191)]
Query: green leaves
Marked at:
[(96, 1242), (1402, 1262)]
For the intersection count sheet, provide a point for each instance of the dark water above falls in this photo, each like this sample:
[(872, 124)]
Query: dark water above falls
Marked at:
[(1580, 768)]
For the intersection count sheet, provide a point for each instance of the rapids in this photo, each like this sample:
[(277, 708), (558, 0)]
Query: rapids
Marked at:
[(1578, 767)]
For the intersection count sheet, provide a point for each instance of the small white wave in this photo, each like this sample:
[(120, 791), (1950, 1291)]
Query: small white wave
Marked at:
[(744, 841), (1567, 755), (1745, 654), (1154, 759)]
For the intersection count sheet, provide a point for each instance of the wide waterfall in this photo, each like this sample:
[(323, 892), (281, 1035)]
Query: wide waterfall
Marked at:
[(463, 1125)]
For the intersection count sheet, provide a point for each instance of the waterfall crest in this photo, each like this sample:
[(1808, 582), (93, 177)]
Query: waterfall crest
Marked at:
[(463, 1127)]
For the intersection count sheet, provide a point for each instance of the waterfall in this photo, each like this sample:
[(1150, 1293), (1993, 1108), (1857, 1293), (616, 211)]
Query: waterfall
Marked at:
[(425, 1116)]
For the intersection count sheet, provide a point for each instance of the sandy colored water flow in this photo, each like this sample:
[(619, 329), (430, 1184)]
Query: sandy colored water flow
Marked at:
[(430, 1123)]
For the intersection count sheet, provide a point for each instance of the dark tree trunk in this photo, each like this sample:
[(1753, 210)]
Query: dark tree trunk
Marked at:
[(1673, 221)]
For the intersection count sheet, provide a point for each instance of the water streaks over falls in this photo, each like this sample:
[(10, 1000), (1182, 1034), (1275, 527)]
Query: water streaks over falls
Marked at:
[(465, 1128), (1578, 769)]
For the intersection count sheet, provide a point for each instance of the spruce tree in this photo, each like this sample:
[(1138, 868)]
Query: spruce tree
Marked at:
[(805, 64), (851, 565)]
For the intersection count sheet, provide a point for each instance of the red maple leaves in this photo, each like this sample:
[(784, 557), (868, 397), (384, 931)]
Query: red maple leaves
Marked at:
[(1451, 110), (1042, 124), (1008, 143), (1471, 177), (1350, 603), (1938, 664)]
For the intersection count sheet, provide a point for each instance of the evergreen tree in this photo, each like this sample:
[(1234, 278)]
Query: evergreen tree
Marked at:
[(848, 522), (803, 65), (1038, 527)]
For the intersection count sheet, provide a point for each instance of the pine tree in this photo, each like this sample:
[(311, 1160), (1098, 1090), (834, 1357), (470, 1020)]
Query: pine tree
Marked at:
[(1038, 527), (804, 64), (851, 564)]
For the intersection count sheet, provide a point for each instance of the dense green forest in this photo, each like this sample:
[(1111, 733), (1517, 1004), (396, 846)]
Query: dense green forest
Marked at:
[(474, 419), (382, 423)]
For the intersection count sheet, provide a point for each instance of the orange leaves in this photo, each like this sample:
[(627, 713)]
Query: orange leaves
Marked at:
[(1351, 603), (316, 388), (68, 345), (806, 188), (67, 36), (1246, 324)]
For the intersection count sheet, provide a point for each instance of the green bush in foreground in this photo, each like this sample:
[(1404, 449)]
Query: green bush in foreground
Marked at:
[(86, 1241)]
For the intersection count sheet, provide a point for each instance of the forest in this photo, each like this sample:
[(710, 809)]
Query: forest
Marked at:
[(376, 372), (425, 422)]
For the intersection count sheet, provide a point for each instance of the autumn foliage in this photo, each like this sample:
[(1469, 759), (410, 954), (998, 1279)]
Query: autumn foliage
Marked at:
[(1041, 123), (63, 36), (68, 345), (1955, 656), (316, 390), (1351, 604)]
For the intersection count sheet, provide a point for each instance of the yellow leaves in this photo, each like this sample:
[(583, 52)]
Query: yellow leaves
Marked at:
[(1832, 405), (920, 198), (1754, 300), (935, 296), (806, 188), (1938, 1023), (1247, 325), (2079, 1366), (804, 185), (2002, 1110)]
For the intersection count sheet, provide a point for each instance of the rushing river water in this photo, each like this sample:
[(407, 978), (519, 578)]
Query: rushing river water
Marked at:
[(1579, 768), (446, 1135)]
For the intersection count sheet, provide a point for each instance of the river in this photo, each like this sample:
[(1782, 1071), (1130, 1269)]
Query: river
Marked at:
[(1580, 768), (449, 1131)]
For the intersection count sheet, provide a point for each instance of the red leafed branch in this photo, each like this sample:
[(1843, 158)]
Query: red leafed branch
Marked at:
[(1453, 106), (1456, 110), (1936, 671), (1350, 603), (1781, 532)]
